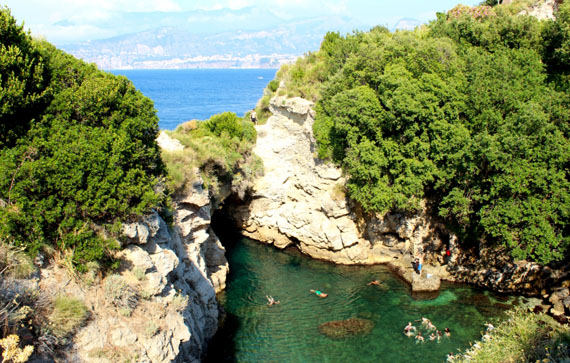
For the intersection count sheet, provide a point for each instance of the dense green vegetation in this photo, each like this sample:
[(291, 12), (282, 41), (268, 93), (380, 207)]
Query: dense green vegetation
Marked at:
[(523, 337), (219, 150), (77, 149), (470, 112)]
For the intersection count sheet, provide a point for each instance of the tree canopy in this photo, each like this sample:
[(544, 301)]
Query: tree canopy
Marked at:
[(469, 112), (77, 149)]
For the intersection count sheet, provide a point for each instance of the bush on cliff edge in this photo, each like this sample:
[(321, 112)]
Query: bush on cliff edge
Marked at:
[(77, 149)]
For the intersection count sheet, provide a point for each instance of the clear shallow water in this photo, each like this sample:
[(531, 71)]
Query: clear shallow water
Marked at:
[(288, 332), (186, 94)]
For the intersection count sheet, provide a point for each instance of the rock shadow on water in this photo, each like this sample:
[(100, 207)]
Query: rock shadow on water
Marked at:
[(424, 295), (341, 329), (222, 347)]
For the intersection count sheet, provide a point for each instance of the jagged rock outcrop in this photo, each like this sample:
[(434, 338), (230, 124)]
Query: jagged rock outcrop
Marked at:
[(543, 9), (177, 273), (301, 200)]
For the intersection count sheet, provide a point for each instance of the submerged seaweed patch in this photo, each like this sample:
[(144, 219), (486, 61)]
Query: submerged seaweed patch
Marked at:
[(340, 329)]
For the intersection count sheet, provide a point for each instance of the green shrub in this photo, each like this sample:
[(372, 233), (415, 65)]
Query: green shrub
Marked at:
[(108, 170), (523, 337), (150, 329), (273, 85), (225, 123), (68, 314), (219, 148)]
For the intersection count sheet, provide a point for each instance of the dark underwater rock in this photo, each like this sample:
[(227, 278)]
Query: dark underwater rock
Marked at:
[(340, 329)]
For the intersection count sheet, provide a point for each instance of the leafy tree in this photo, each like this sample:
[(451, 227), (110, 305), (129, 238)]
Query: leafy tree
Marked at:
[(23, 84), (84, 160), (464, 113)]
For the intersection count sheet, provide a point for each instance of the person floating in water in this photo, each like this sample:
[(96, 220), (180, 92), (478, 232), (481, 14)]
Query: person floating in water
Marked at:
[(374, 282), (409, 327), (425, 322), (319, 293), (447, 332), (432, 336), (271, 300), (419, 338), (409, 330)]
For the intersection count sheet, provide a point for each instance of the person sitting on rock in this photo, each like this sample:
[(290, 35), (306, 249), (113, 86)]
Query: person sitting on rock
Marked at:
[(271, 300), (319, 293)]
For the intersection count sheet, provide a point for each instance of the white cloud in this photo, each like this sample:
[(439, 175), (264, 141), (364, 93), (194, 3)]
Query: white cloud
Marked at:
[(238, 4), (85, 16), (70, 34)]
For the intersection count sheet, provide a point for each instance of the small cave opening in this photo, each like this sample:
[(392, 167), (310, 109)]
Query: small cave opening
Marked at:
[(224, 224)]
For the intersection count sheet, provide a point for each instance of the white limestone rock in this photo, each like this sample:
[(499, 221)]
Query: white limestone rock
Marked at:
[(186, 263)]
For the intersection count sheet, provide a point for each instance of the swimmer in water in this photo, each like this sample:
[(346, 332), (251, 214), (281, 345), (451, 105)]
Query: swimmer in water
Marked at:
[(409, 327), (419, 338), (425, 322), (319, 293), (271, 300), (409, 330)]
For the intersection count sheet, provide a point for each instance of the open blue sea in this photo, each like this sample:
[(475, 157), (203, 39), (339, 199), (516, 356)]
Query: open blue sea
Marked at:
[(186, 94)]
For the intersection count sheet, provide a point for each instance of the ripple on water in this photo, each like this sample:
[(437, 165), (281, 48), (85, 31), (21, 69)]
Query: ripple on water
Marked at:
[(289, 332)]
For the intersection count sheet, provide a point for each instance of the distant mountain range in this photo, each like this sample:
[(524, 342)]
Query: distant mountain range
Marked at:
[(267, 43)]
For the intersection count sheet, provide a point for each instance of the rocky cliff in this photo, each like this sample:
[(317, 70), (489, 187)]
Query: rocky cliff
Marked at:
[(301, 201), (175, 274)]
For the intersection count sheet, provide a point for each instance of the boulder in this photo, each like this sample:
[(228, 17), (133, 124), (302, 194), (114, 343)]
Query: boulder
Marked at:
[(425, 282)]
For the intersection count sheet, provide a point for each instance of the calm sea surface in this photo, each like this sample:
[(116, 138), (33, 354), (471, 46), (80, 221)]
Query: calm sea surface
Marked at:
[(182, 95)]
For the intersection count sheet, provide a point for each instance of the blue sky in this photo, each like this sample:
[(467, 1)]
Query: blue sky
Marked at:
[(69, 21)]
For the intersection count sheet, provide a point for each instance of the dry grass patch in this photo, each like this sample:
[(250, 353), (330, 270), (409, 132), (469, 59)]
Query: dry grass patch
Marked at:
[(68, 314)]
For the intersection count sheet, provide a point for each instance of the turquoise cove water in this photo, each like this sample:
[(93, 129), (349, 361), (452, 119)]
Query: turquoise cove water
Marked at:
[(288, 332)]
